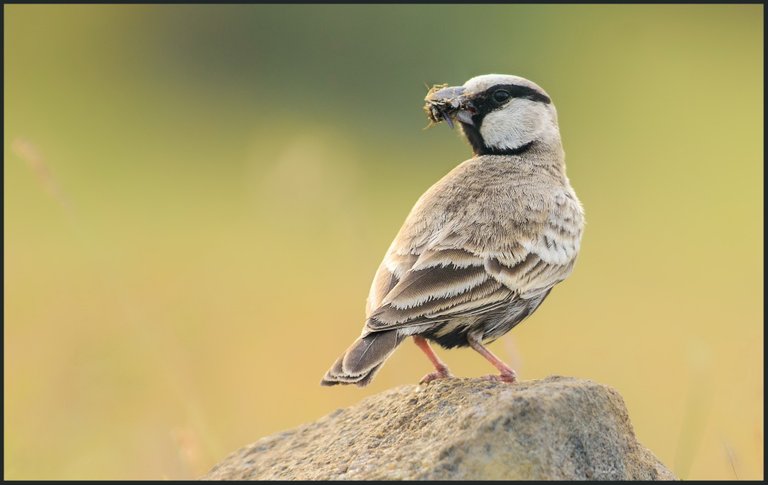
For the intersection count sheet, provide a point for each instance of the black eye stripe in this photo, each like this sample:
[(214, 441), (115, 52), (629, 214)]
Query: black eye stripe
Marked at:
[(515, 91)]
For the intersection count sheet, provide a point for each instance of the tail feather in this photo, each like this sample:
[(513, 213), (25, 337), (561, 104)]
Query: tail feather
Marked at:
[(362, 359)]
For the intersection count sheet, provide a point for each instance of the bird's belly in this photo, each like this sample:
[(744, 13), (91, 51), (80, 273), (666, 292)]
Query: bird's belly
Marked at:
[(453, 333)]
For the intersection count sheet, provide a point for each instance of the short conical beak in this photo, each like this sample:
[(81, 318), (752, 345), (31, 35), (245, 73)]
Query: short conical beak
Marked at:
[(447, 103)]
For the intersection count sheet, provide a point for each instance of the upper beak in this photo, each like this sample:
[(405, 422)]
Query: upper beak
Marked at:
[(445, 103), (444, 94)]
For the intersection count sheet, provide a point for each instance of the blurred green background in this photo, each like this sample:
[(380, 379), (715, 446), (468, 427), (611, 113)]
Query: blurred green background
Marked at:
[(197, 197)]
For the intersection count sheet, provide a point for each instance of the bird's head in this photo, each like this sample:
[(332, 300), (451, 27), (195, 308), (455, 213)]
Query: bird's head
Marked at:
[(499, 114)]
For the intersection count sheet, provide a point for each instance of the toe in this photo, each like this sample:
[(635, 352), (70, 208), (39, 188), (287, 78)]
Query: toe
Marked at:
[(438, 374), (509, 378)]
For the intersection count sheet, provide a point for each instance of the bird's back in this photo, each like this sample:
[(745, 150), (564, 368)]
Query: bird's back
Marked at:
[(487, 204)]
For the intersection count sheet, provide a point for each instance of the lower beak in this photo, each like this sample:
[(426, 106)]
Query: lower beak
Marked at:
[(465, 116)]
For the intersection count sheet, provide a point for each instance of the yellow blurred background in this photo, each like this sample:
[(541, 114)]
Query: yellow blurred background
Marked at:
[(197, 197)]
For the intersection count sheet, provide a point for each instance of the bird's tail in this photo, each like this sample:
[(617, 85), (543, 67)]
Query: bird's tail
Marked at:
[(362, 359)]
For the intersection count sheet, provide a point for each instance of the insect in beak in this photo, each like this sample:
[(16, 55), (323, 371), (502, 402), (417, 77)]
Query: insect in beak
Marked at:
[(447, 104)]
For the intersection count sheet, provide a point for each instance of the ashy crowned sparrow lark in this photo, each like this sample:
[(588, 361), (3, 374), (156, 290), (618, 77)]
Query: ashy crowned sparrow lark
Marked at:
[(484, 246)]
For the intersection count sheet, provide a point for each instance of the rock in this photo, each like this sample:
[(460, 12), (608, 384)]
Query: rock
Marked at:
[(558, 428)]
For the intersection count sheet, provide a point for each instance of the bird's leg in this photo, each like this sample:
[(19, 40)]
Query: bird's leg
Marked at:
[(507, 374), (441, 370)]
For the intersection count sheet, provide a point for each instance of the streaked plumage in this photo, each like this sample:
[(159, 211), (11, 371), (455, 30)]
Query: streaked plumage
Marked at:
[(483, 247)]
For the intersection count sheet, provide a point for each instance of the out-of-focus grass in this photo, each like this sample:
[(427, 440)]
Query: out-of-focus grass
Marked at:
[(198, 197)]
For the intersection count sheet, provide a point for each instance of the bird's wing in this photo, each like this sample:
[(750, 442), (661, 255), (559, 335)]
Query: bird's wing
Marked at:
[(441, 284), (445, 283)]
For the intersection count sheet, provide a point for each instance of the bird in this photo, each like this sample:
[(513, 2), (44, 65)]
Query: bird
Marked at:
[(483, 247)]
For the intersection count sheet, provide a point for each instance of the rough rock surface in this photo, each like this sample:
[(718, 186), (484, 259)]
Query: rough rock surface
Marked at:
[(556, 428)]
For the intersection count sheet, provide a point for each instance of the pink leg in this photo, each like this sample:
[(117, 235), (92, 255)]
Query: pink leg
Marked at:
[(441, 371), (507, 374)]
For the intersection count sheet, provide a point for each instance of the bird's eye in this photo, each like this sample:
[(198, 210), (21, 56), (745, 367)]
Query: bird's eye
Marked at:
[(500, 96)]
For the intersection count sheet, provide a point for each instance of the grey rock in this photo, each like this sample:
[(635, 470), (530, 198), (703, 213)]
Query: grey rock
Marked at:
[(558, 428)]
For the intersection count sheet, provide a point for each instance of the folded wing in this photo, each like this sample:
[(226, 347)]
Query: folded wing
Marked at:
[(445, 283)]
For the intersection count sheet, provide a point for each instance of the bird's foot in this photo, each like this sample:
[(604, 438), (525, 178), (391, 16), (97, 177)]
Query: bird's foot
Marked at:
[(510, 377), (440, 373)]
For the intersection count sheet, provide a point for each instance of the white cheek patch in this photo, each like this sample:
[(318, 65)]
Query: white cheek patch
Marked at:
[(518, 123)]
